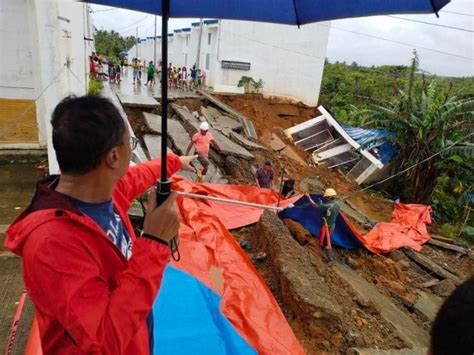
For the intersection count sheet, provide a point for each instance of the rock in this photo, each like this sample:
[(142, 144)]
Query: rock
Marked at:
[(261, 256), (392, 285), (404, 265), (317, 315), (245, 244), (354, 264), (231, 165), (359, 321), (444, 288), (326, 345)]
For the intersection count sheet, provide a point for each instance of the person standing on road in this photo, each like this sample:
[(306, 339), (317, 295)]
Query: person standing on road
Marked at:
[(136, 71), (92, 280), (264, 175), (330, 208), (150, 73), (203, 140)]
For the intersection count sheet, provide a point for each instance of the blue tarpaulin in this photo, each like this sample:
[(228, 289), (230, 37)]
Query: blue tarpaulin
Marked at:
[(188, 319), (311, 219), (291, 12)]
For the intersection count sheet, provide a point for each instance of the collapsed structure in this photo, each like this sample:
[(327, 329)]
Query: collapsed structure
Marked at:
[(363, 154)]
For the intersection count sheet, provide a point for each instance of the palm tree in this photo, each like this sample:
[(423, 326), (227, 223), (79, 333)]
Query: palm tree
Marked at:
[(424, 121)]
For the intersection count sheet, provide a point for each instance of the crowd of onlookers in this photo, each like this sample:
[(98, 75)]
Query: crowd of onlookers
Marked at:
[(97, 71), (180, 78)]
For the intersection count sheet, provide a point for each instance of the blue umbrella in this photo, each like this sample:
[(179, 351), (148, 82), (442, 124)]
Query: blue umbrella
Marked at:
[(290, 12), (123, 54)]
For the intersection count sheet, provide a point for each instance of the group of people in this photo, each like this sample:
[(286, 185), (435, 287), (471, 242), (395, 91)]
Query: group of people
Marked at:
[(93, 281), (96, 69), (186, 79), (180, 78)]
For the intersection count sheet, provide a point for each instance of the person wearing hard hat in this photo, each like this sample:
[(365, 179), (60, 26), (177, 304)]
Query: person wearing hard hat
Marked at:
[(330, 208), (203, 140)]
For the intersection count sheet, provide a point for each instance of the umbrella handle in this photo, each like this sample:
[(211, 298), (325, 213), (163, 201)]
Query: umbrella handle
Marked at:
[(163, 190)]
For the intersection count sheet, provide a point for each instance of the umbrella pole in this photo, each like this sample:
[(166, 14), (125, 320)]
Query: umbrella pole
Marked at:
[(164, 185)]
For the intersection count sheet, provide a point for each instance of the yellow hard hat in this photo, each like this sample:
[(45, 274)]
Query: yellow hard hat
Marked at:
[(330, 193)]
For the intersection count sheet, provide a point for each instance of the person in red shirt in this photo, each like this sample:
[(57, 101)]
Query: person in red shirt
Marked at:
[(203, 140), (91, 279)]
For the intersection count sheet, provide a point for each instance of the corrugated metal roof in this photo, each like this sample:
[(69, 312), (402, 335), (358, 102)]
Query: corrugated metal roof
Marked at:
[(365, 136)]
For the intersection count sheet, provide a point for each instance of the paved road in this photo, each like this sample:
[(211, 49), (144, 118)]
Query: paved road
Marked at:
[(126, 87)]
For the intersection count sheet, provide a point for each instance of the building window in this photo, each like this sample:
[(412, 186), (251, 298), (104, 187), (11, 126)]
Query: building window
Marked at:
[(209, 36), (208, 60)]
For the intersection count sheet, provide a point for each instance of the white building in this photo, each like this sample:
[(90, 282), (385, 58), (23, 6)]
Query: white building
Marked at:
[(290, 61), (45, 46)]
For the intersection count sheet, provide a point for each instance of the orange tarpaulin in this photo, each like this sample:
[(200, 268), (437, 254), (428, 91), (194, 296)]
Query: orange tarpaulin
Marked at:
[(206, 243), (407, 229)]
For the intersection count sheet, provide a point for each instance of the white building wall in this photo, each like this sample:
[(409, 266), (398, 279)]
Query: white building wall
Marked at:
[(16, 63), (290, 61), (46, 56)]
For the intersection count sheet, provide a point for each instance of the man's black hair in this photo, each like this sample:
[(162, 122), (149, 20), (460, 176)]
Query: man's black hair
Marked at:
[(84, 128), (453, 328)]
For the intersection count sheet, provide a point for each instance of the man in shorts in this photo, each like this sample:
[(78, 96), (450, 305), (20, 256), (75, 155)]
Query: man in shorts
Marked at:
[(203, 140)]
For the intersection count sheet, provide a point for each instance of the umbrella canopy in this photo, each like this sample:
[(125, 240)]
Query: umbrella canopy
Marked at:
[(290, 12)]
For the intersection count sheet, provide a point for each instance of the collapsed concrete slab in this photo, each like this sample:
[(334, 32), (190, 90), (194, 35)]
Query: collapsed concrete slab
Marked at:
[(153, 144), (192, 126), (278, 145), (297, 287), (220, 122), (405, 326), (249, 128), (141, 101), (176, 132), (244, 142)]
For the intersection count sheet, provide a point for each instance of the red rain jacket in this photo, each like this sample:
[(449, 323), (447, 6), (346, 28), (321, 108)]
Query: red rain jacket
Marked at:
[(88, 298)]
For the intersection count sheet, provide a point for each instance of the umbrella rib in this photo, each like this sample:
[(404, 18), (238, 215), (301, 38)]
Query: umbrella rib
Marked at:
[(296, 13), (434, 8)]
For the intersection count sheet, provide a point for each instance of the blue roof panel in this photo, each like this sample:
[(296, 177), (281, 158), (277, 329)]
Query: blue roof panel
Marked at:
[(364, 136)]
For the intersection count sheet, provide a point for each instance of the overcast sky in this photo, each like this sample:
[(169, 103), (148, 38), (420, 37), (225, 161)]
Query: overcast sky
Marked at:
[(350, 40)]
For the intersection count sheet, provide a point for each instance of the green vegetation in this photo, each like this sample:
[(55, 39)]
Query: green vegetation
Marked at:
[(111, 43), (427, 114), (250, 85), (95, 86)]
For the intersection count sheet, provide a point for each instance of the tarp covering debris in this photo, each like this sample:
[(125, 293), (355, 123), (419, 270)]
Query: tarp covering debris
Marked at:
[(345, 235), (407, 229)]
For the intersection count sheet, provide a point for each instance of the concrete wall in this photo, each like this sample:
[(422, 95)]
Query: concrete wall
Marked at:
[(46, 56), (289, 60)]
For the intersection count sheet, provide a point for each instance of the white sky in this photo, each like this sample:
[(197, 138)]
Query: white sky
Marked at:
[(347, 46)]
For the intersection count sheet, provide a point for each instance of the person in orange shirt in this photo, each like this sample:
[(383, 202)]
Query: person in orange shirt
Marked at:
[(203, 140)]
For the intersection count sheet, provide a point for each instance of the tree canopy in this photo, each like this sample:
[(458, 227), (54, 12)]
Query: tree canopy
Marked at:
[(111, 43), (427, 114)]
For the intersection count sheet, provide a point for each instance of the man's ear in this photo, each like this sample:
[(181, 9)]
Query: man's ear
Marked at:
[(111, 158)]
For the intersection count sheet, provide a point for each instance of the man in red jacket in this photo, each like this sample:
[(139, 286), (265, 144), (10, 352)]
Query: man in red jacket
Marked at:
[(92, 281)]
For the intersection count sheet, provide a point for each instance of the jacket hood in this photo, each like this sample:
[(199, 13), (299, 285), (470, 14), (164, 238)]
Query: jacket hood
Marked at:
[(46, 204)]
